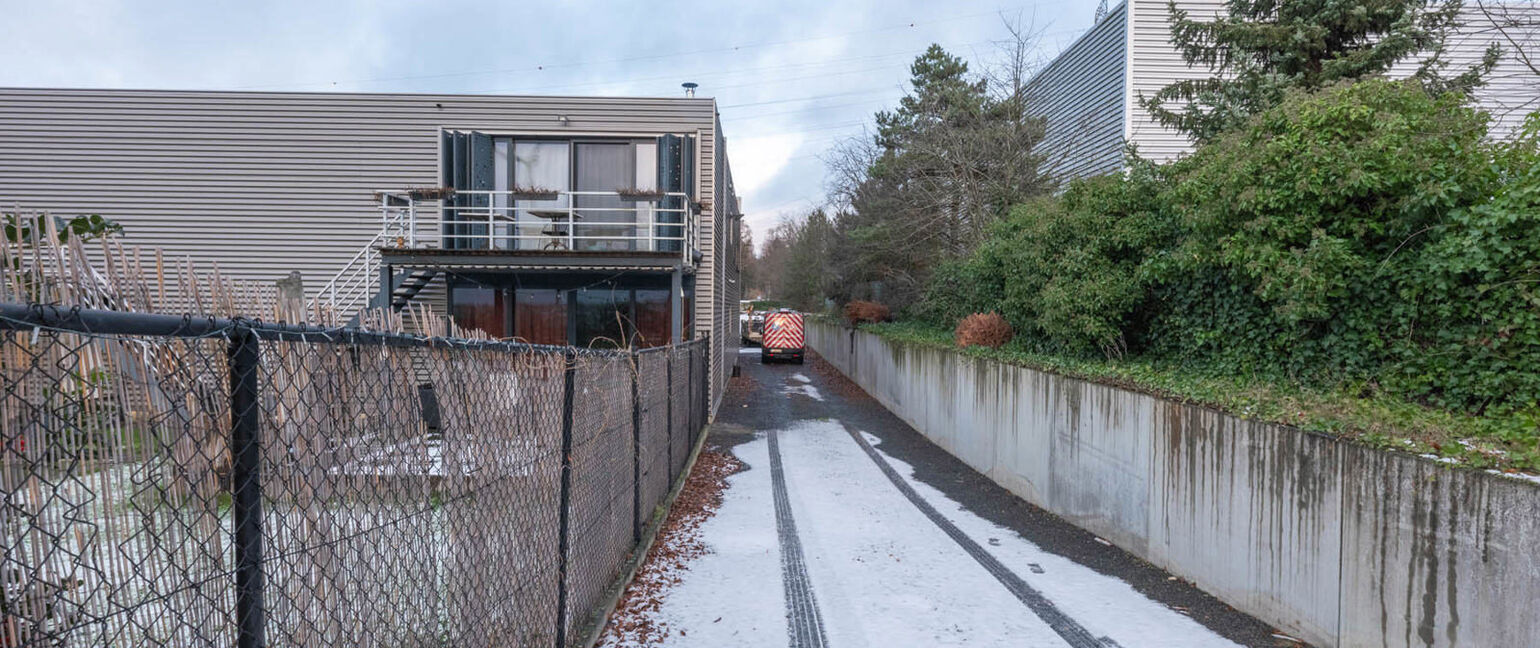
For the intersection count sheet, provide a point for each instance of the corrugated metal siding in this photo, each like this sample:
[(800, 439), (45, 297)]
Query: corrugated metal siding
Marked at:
[(1511, 92), (1081, 96), (724, 256), (708, 288), (1153, 64), (266, 183)]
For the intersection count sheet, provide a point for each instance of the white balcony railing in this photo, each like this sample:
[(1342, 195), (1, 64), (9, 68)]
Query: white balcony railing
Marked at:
[(351, 288), (554, 222)]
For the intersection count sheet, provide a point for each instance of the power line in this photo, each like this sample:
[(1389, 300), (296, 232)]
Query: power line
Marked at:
[(698, 75), (630, 59), (740, 117), (835, 94), (805, 130)]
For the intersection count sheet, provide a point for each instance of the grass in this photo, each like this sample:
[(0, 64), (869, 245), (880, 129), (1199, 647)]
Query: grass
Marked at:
[(1509, 442)]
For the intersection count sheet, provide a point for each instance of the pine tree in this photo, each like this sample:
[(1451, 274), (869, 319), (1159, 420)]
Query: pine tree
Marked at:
[(942, 95)]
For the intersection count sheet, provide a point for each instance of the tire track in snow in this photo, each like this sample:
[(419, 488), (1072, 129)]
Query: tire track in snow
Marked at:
[(1067, 628), (803, 621)]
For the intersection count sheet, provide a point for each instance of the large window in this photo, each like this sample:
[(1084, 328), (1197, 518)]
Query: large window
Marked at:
[(652, 317), (581, 310), (530, 179), (605, 222), (603, 317), (540, 165), (540, 315), (482, 308)]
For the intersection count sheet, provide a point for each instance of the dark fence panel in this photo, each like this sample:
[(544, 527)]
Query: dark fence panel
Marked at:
[(219, 483), (602, 505), (682, 375), (653, 392)]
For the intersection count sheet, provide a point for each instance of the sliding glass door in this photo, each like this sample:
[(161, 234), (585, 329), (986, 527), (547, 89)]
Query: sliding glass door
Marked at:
[(536, 173), (606, 167), (540, 167)]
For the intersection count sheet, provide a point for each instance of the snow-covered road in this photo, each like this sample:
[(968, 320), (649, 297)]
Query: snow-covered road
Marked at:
[(878, 557)]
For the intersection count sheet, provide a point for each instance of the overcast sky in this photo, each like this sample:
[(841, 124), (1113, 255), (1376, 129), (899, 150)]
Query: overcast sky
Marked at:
[(791, 77)]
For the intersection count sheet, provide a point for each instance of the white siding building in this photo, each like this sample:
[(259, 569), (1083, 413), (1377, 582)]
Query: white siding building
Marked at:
[(1090, 94)]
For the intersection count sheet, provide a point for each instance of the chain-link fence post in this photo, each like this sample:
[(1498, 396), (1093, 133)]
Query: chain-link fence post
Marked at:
[(669, 467), (246, 481), (563, 545), (705, 390), (636, 448)]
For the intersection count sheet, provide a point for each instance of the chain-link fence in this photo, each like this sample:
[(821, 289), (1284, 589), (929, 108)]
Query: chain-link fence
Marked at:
[(189, 482)]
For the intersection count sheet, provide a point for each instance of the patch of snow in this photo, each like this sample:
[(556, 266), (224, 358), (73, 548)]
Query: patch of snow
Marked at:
[(732, 596), (1106, 606), (883, 573), (1447, 460), (806, 390), (1526, 477), (801, 377)]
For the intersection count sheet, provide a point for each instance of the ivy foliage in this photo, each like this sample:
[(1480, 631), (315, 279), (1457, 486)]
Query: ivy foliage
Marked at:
[(24, 227), (1064, 270)]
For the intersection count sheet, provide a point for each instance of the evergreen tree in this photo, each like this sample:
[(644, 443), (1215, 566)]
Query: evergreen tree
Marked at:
[(949, 160), (942, 95), (1262, 48)]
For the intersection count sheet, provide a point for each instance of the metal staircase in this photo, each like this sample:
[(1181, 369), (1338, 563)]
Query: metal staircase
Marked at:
[(407, 287), (356, 286)]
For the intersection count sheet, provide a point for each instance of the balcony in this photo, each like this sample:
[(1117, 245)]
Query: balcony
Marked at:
[(541, 223), (425, 233)]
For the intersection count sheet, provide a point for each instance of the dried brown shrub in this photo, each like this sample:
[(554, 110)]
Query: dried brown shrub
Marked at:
[(858, 312), (983, 329)]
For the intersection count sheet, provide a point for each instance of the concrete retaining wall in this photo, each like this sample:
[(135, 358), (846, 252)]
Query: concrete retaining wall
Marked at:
[(1334, 543)]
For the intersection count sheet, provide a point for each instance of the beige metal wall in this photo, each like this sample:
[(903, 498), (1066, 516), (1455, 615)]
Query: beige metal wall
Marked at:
[(267, 183), (1080, 95), (725, 286)]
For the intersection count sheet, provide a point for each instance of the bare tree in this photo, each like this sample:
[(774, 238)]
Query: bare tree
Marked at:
[(1519, 28)]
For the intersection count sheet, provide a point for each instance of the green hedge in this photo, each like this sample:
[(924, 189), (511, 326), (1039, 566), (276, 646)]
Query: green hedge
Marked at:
[(1367, 237), (1505, 442)]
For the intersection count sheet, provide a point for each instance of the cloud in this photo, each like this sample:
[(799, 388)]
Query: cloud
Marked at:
[(757, 159), (791, 77)]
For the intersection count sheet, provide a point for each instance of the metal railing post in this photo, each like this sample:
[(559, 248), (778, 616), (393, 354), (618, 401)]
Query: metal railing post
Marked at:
[(636, 449), (571, 222), (246, 482), (563, 544), (705, 387), (652, 220)]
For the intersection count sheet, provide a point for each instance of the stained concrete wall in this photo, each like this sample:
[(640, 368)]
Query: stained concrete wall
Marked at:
[(1334, 543)]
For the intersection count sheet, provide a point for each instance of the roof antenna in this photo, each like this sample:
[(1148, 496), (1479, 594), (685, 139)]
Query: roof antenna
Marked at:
[(689, 88), (1101, 12)]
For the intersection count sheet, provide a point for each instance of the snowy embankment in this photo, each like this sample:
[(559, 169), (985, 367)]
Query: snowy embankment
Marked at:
[(678, 551)]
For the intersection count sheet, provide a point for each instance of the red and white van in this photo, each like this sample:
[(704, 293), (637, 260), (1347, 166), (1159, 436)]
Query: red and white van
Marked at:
[(783, 337)]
